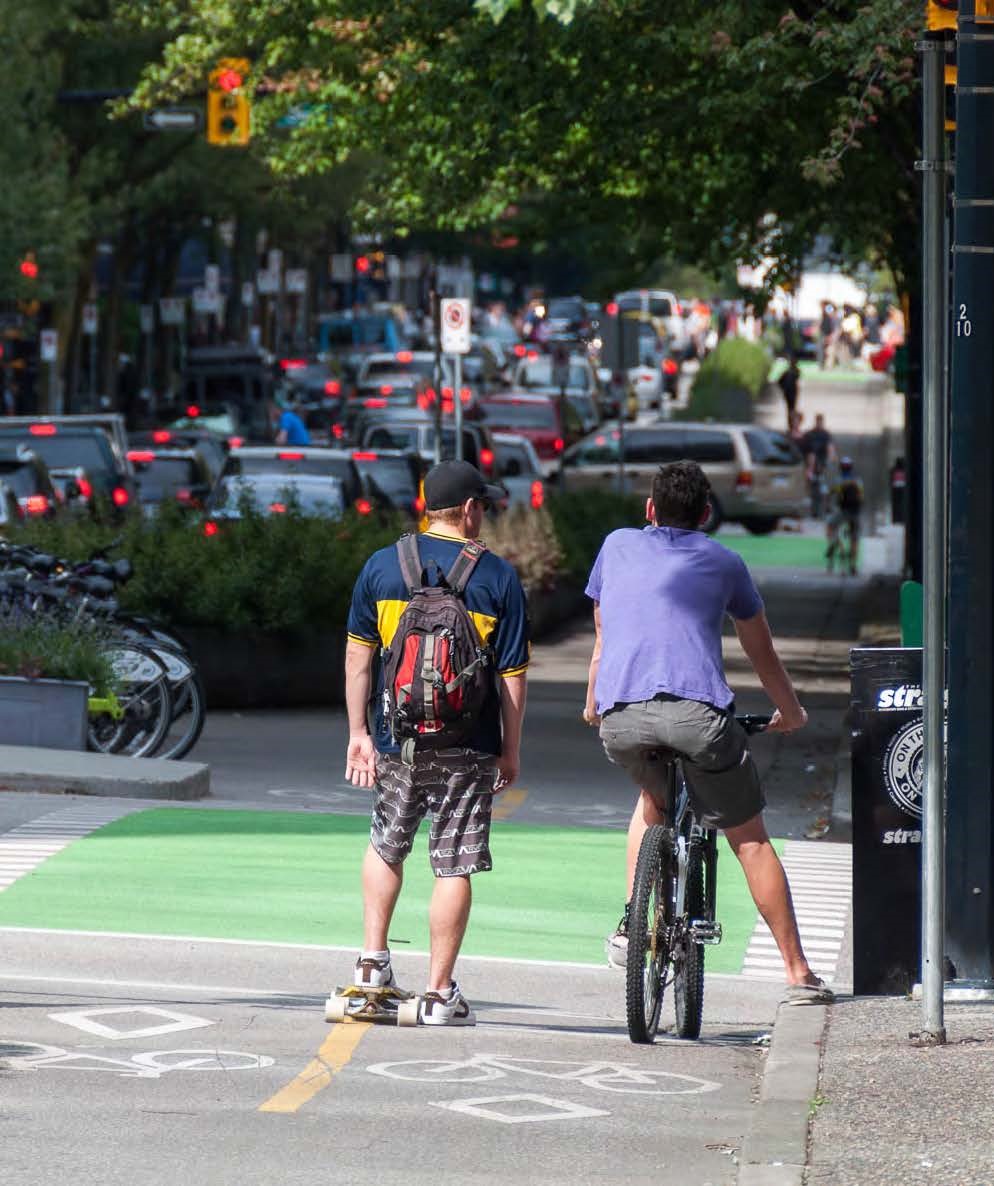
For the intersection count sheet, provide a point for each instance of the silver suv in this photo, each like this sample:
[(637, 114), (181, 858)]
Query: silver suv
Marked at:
[(756, 474)]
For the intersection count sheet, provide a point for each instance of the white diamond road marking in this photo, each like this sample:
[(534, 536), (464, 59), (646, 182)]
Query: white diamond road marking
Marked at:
[(25, 847), (552, 1109), (820, 877), (83, 1019)]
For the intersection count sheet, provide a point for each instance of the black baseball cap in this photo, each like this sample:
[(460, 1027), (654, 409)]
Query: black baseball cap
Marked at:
[(451, 483)]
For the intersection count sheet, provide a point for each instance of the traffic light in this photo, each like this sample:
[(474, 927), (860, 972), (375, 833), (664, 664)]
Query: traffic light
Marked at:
[(228, 106), (941, 14), (983, 12), (363, 264), (28, 267)]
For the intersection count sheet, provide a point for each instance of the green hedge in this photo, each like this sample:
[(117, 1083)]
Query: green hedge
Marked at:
[(291, 572), (728, 382), (42, 647)]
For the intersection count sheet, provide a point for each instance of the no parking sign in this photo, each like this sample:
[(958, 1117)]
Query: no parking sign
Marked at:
[(455, 325)]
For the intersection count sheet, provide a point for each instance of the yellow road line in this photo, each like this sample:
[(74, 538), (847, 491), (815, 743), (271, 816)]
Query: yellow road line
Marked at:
[(335, 1052), (507, 803)]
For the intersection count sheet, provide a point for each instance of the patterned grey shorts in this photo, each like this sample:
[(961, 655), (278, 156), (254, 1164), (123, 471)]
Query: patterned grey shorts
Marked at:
[(456, 786)]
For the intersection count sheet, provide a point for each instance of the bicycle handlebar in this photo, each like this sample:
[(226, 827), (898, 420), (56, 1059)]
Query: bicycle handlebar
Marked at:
[(754, 722)]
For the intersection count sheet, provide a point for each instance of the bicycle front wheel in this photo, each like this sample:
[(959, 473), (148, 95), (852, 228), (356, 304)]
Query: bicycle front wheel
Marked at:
[(649, 933), (688, 955)]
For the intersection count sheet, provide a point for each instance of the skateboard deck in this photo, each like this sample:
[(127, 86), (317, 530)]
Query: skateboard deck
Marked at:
[(360, 1003)]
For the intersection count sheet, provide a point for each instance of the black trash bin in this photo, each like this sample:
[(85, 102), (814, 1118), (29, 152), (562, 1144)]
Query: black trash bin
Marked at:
[(887, 768)]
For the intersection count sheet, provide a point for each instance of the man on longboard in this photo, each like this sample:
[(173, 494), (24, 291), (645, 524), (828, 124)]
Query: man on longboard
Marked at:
[(448, 618)]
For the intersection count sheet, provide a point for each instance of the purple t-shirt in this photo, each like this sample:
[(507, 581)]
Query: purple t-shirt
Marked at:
[(664, 593)]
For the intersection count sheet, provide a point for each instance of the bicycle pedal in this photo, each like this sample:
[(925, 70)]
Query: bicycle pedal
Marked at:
[(706, 932)]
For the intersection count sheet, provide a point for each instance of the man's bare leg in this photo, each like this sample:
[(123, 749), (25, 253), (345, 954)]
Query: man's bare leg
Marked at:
[(381, 884), (771, 893), (447, 919), (645, 815)]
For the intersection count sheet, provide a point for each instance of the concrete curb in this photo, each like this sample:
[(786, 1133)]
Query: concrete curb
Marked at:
[(65, 772), (775, 1150)]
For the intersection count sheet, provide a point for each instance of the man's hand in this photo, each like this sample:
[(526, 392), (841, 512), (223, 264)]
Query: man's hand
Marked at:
[(508, 768), (787, 722), (360, 761), (591, 716)]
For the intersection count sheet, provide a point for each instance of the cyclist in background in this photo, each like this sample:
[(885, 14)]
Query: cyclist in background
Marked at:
[(657, 681), (846, 506)]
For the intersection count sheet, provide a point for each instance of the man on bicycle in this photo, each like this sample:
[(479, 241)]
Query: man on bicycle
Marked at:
[(657, 681), (846, 505)]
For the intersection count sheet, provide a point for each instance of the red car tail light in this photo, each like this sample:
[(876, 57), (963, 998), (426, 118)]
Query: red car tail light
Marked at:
[(363, 506), (559, 444), (36, 504), (337, 431), (538, 495), (193, 411), (520, 351), (405, 356), (210, 529), (162, 436), (277, 508), (487, 458), (362, 456), (293, 364), (447, 393), (289, 457), (43, 430), (85, 487), (120, 497), (183, 495), (235, 442), (743, 480), (425, 400), (141, 455), (333, 387), (374, 403), (465, 394), (386, 389)]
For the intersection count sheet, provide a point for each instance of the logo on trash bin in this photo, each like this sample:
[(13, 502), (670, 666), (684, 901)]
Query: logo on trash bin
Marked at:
[(903, 767)]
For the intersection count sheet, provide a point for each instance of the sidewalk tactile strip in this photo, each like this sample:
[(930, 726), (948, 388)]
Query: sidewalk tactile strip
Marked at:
[(820, 877), (25, 847)]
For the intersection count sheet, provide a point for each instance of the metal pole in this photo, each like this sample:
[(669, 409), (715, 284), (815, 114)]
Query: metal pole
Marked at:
[(436, 320), (933, 169), (457, 403), (93, 373)]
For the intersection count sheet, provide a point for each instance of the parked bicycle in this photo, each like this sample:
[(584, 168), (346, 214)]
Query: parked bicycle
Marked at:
[(673, 912)]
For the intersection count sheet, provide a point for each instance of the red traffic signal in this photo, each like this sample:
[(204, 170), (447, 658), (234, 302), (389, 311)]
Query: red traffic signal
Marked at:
[(28, 268), (611, 308), (362, 264), (228, 80)]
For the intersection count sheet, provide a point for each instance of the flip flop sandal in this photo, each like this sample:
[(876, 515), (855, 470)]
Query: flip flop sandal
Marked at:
[(808, 994)]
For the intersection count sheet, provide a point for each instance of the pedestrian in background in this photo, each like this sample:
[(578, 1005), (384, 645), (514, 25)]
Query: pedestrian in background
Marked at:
[(818, 448), (789, 383), (827, 327)]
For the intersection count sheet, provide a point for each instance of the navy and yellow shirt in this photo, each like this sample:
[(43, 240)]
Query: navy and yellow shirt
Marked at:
[(495, 601)]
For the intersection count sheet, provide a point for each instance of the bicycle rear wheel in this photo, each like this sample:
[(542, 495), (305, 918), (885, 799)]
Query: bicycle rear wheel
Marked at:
[(688, 955), (648, 934)]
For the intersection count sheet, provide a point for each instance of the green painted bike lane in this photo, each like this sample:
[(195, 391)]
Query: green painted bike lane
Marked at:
[(293, 877)]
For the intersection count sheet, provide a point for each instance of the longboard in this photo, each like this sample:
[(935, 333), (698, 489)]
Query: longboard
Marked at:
[(362, 1003)]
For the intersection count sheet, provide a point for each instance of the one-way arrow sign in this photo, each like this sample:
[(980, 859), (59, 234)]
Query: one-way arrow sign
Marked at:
[(172, 119)]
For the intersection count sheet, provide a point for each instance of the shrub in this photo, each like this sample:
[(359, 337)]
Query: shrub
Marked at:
[(39, 646), (581, 522), (527, 539), (730, 379)]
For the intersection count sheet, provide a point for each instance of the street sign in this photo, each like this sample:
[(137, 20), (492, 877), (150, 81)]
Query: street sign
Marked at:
[(146, 314), (341, 268), (49, 345), (455, 325), (274, 261), (172, 310), (205, 301), (296, 280), (267, 283), (90, 320), (172, 119), (248, 294), (212, 279)]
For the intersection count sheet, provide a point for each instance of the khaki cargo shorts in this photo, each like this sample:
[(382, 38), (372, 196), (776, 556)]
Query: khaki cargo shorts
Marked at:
[(456, 786), (722, 779)]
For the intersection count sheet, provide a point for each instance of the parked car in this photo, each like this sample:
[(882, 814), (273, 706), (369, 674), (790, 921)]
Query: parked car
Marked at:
[(756, 474), (171, 475), (550, 424), (415, 431), (567, 316), (97, 445), (211, 448), (294, 460), (274, 494), (662, 308), (519, 470), (391, 478), (24, 477)]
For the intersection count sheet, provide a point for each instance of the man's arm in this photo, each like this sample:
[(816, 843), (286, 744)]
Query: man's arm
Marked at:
[(360, 762), (757, 642), (513, 695), (590, 708)]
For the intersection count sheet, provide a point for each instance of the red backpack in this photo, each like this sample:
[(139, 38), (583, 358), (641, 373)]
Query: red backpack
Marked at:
[(437, 674)]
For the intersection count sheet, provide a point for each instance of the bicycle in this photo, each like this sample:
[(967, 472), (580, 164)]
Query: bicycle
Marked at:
[(673, 909), (843, 547)]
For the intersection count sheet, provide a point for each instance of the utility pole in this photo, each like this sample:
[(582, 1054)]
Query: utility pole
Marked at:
[(970, 838)]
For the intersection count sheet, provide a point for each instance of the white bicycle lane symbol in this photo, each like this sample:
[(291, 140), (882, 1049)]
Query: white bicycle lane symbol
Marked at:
[(600, 1076), (151, 1064)]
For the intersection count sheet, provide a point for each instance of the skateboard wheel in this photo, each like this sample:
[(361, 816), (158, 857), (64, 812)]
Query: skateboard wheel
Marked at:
[(336, 1009), (407, 1012)]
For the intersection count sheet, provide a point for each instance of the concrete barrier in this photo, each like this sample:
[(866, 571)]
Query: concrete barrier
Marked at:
[(60, 772)]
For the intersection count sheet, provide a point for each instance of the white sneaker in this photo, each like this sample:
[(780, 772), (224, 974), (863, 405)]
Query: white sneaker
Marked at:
[(454, 1009), (616, 947), (373, 973)]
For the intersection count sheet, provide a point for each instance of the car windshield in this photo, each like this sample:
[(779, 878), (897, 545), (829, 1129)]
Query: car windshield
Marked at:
[(162, 477), (537, 414), (290, 461), (401, 364), (388, 479), (67, 450), (539, 373), (513, 460), (269, 491), (567, 308)]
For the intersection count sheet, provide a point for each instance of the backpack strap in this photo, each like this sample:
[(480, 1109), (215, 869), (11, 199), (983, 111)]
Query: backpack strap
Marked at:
[(462, 569), (411, 568)]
